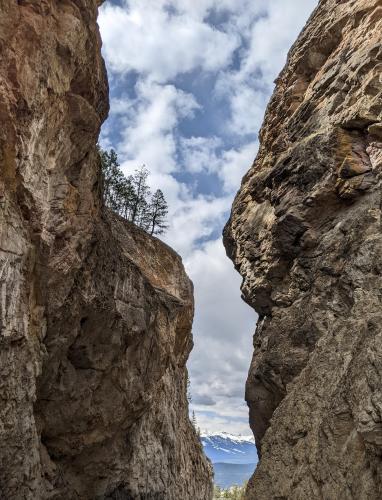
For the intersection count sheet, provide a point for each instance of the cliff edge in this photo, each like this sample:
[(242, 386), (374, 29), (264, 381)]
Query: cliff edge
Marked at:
[(305, 234), (95, 315)]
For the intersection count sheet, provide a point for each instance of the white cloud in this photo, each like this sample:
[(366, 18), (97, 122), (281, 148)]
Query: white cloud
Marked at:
[(241, 45), (214, 276), (235, 163), (196, 219), (150, 125), (247, 109), (146, 37), (199, 153), (268, 40), (219, 423), (223, 339), (229, 165), (121, 106), (272, 36)]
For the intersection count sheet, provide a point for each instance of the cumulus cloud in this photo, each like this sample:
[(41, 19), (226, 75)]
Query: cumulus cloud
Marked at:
[(163, 39), (199, 153), (281, 25), (194, 220), (159, 55), (267, 40), (235, 163), (222, 329), (149, 126), (229, 165)]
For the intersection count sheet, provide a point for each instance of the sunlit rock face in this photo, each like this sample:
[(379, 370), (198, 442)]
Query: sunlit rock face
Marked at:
[(305, 234), (95, 315)]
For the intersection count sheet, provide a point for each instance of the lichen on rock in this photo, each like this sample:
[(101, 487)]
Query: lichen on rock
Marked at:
[(305, 234)]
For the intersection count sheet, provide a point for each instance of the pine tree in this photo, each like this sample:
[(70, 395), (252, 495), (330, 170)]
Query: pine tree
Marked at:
[(193, 420), (140, 207), (157, 213), (130, 197), (127, 198), (189, 396), (112, 179), (198, 433)]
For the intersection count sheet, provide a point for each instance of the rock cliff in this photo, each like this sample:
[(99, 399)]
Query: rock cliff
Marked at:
[(305, 234), (95, 315)]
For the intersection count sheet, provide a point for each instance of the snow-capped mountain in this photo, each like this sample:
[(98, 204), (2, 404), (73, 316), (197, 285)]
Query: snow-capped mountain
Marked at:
[(227, 448)]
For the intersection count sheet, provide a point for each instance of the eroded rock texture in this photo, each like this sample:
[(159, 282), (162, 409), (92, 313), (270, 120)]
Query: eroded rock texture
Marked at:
[(305, 233), (95, 315)]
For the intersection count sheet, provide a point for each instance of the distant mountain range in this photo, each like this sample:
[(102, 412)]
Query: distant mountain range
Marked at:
[(229, 449), (234, 457)]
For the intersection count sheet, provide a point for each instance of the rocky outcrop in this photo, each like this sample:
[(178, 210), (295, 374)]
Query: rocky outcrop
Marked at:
[(95, 315), (305, 234)]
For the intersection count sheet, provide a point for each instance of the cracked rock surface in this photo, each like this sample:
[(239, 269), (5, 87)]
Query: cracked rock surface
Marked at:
[(95, 315), (305, 234)]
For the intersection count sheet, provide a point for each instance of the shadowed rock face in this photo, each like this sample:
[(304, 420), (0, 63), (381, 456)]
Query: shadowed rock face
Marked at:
[(305, 234), (95, 315)]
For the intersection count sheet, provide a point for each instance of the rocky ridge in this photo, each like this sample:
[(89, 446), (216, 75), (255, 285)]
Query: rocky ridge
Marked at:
[(305, 234), (95, 315)]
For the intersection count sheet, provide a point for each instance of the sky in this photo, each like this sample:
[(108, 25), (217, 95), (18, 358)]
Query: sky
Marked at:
[(189, 84)]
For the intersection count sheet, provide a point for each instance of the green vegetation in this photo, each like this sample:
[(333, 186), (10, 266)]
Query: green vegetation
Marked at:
[(233, 493), (195, 425), (130, 197)]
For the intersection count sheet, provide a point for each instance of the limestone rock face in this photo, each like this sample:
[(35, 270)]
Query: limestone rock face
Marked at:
[(95, 315), (305, 234)]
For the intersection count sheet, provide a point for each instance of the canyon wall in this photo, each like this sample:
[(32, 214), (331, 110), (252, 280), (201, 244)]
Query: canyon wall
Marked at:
[(95, 315), (305, 234)]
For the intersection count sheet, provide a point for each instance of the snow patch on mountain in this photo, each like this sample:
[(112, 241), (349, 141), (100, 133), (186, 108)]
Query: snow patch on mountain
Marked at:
[(227, 448), (226, 435)]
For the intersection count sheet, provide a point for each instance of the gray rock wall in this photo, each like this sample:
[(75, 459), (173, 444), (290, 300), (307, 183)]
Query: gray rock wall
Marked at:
[(305, 234), (95, 315)]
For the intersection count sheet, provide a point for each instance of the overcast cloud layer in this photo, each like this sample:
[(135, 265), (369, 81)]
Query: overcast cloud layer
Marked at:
[(189, 83)]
